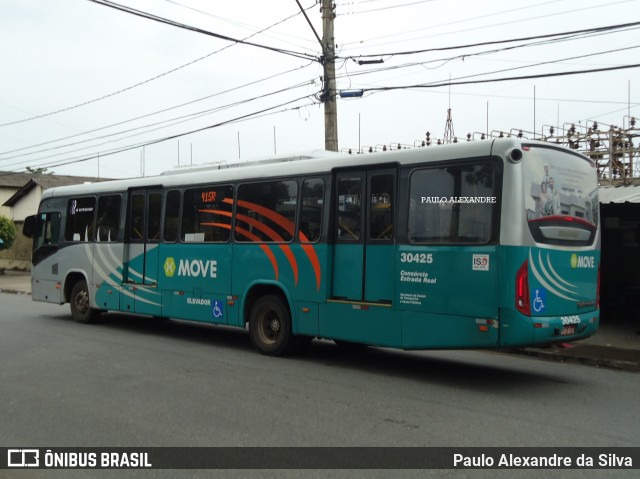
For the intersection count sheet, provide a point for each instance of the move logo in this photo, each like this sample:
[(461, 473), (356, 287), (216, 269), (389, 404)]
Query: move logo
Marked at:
[(583, 261), (191, 268), (169, 267)]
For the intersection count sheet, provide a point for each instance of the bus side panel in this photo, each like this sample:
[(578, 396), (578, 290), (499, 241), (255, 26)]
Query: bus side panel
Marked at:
[(314, 276), (148, 298), (300, 270), (347, 271), (141, 276), (307, 319), (445, 331), (53, 271), (362, 323), (195, 280), (46, 280), (107, 274), (453, 291), (379, 271)]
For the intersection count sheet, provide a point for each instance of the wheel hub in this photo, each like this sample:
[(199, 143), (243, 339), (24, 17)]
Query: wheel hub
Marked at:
[(82, 302), (274, 325)]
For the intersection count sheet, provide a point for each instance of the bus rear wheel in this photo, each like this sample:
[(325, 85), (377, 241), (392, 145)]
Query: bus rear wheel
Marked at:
[(80, 302), (270, 326)]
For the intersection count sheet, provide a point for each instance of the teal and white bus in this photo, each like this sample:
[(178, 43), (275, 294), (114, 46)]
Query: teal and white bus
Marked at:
[(488, 244)]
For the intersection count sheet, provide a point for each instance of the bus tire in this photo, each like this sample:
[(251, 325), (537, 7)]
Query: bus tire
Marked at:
[(80, 302), (270, 326)]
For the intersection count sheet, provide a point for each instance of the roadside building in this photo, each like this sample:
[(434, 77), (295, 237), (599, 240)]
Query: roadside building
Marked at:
[(620, 260), (20, 195)]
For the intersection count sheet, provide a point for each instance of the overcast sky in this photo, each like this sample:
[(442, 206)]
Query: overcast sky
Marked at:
[(80, 79)]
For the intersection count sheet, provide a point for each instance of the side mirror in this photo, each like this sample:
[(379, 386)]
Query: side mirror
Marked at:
[(29, 227), (1, 244)]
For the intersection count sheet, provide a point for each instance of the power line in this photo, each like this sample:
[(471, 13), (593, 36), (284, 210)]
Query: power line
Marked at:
[(389, 7), (555, 100), (309, 22), (444, 61), (510, 22), (252, 83), (144, 82), (167, 123), (238, 119), (497, 42), (184, 26), (493, 80), (552, 61), (474, 18), (236, 23)]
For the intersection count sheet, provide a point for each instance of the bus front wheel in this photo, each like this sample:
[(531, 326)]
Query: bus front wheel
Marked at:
[(270, 326), (80, 302)]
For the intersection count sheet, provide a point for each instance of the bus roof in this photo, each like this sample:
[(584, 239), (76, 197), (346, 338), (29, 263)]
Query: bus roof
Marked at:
[(316, 162)]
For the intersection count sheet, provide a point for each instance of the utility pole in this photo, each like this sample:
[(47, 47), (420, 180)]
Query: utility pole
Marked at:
[(329, 89)]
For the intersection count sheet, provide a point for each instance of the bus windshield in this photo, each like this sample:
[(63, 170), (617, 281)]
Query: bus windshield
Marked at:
[(561, 196)]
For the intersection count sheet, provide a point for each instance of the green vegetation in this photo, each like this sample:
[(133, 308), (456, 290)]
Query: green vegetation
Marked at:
[(7, 232)]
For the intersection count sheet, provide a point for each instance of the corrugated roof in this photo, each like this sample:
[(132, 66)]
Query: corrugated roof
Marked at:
[(49, 181), (619, 194), (45, 181), (18, 180), (14, 180)]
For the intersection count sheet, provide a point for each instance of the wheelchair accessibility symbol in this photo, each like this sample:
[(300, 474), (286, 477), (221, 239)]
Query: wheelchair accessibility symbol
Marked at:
[(217, 309), (540, 300)]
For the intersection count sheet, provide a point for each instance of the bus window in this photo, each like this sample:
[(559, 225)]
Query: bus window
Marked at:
[(311, 215), (561, 203), (137, 216), (48, 230), (79, 226), (46, 235), (454, 204), (381, 213), (155, 215), (266, 211), (349, 209), (108, 218), (206, 214), (172, 216)]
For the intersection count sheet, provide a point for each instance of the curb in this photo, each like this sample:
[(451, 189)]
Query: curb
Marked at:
[(575, 357), (14, 291)]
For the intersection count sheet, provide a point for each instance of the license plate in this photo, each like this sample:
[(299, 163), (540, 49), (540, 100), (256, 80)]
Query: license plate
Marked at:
[(568, 330)]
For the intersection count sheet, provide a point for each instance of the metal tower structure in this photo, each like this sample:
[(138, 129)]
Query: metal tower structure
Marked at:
[(449, 135)]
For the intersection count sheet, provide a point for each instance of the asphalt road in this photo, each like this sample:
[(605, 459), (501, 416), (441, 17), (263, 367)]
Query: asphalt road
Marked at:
[(131, 381)]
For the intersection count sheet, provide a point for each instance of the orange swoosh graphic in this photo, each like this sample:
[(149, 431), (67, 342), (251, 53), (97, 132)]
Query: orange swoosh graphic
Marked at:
[(273, 235), (263, 246), (287, 225)]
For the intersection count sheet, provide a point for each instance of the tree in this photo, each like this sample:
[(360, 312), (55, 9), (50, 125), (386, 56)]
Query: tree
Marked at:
[(7, 232), (39, 171)]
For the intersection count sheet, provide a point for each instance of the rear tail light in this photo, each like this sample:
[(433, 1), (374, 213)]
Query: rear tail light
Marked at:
[(522, 289)]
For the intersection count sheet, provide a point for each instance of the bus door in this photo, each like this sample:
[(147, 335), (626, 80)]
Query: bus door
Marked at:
[(364, 216), (140, 271)]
